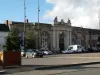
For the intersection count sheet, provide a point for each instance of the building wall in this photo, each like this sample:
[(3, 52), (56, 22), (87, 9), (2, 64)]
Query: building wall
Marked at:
[(72, 35), (3, 36), (85, 37)]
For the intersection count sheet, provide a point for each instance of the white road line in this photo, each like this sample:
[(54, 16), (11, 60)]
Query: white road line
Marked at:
[(75, 57), (2, 71)]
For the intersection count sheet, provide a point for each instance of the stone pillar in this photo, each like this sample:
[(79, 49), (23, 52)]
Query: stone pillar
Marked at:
[(68, 33), (57, 41), (66, 40), (54, 40), (39, 38), (70, 38), (87, 40), (78, 39), (50, 40)]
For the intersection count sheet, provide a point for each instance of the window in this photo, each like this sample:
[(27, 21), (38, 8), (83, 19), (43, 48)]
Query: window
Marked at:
[(70, 48), (78, 46)]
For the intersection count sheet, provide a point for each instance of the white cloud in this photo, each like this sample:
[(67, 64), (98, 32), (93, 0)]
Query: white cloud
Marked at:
[(81, 12)]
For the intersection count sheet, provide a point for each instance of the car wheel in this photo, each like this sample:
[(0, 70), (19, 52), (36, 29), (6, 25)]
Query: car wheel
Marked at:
[(26, 56), (41, 56), (33, 56)]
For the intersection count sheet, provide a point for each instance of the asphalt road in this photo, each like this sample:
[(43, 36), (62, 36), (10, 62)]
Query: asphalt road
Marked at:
[(76, 70), (29, 64), (62, 59), (80, 70)]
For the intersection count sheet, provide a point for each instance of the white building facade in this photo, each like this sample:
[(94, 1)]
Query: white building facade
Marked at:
[(59, 35), (4, 29)]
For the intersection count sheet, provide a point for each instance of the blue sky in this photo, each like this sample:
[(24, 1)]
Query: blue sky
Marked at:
[(81, 12), (13, 10)]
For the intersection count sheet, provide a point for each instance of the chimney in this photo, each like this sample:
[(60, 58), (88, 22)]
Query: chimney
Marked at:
[(6, 22), (26, 21)]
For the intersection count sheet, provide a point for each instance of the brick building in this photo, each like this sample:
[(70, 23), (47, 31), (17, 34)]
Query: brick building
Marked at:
[(59, 35)]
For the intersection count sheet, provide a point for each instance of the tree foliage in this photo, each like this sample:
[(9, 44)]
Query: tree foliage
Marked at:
[(8, 44), (30, 40), (13, 40)]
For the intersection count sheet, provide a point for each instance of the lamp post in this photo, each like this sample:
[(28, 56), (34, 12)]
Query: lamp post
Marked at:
[(24, 24), (99, 18), (38, 28), (38, 12)]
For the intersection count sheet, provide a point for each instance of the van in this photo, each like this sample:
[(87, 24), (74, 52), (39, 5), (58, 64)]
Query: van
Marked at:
[(76, 48)]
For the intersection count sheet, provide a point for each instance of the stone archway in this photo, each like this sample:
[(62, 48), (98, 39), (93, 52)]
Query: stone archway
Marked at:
[(61, 41), (44, 39)]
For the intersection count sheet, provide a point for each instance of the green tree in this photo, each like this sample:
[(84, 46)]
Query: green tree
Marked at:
[(15, 39), (8, 44), (30, 40)]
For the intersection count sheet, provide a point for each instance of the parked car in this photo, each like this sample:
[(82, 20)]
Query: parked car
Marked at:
[(23, 53), (33, 53), (84, 49), (46, 51), (67, 51), (74, 48)]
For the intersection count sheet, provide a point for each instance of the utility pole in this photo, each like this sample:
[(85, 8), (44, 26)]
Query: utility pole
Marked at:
[(99, 18), (38, 12), (38, 28), (24, 24)]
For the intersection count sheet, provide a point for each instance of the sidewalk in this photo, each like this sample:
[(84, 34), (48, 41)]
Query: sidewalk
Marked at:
[(56, 63), (46, 63), (2, 71)]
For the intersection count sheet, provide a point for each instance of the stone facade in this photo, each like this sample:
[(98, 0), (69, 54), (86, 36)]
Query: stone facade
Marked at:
[(84, 36), (4, 29), (58, 36)]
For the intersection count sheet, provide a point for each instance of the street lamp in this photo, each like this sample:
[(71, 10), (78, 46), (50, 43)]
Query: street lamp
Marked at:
[(99, 18), (23, 34), (38, 29), (38, 12)]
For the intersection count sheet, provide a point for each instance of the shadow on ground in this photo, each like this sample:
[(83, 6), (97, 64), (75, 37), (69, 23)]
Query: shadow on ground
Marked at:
[(26, 68)]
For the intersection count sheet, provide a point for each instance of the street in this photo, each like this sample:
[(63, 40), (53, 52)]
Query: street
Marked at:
[(80, 70), (62, 59), (75, 70), (50, 37), (29, 64)]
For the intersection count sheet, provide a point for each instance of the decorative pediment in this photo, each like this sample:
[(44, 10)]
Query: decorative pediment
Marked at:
[(56, 20), (62, 21), (69, 22)]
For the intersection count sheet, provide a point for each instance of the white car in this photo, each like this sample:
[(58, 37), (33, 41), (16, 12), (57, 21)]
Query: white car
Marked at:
[(22, 53), (67, 51), (34, 53), (46, 52), (74, 48)]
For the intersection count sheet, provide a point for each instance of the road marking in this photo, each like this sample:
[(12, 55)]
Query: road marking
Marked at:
[(2, 71), (76, 57)]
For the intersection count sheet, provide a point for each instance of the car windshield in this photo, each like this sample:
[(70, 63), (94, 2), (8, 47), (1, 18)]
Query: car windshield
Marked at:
[(35, 50), (70, 48), (22, 50), (42, 50), (47, 50)]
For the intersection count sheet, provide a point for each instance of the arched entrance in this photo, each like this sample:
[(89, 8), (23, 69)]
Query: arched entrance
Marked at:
[(44, 40), (61, 41)]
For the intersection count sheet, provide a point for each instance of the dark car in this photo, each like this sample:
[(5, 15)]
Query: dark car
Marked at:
[(46, 51), (33, 53)]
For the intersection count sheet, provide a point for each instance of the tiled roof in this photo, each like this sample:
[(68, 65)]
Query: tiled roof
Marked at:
[(93, 31), (43, 24), (15, 22), (4, 27)]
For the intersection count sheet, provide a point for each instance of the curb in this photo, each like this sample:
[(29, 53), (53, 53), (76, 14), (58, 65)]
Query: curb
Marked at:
[(69, 65), (2, 72)]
